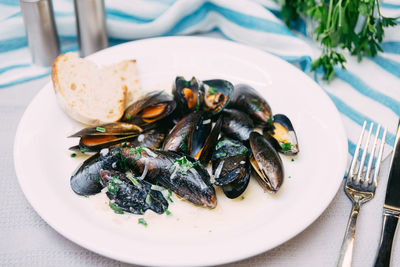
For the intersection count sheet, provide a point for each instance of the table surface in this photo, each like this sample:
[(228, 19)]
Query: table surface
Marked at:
[(25, 239)]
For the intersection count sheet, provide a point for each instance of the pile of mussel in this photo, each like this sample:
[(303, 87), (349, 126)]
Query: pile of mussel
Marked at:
[(167, 141)]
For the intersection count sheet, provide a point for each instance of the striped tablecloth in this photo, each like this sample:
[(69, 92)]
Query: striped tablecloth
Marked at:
[(373, 97)]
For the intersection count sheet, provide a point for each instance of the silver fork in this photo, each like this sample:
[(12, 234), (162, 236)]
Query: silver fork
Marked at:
[(360, 188)]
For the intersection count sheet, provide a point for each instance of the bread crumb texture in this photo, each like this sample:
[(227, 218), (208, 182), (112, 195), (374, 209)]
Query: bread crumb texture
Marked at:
[(93, 94)]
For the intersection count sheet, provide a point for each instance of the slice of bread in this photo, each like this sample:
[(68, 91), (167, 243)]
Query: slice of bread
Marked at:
[(94, 95)]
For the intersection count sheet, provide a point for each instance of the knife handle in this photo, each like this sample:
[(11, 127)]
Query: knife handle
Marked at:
[(389, 226)]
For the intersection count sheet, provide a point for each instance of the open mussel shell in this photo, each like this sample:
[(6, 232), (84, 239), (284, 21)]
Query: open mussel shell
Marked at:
[(182, 174), (187, 95), (283, 132), (152, 108), (272, 141), (189, 134), (266, 162), (131, 194), (98, 142), (236, 124), (217, 95), (249, 101), (231, 167), (93, 139), (205, 153), (115, 128)]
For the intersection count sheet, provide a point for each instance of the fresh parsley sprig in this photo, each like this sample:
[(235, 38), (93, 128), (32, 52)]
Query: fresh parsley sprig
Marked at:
[(353, 25)]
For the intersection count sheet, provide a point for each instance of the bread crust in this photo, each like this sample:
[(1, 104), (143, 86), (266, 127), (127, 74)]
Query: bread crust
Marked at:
[(73, 110)]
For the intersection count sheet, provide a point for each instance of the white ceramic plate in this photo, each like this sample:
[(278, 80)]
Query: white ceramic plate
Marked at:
[(236, 229)]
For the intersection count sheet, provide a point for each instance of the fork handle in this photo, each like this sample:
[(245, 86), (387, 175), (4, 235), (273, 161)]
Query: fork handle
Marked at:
[(346, 251), (389, 226)]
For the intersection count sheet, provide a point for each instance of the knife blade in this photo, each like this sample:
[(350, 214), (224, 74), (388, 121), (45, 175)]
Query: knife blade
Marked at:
[(391, 208)]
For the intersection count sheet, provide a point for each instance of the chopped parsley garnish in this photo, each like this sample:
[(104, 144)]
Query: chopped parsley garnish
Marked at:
[(212, 90), (292, 160), (148, 199), (289, 176), (243, 151), (256, 108), (133, 179), (168, 212), (115, 208), (137, 150), (224, 143), (286, 146), (122, 164), (113, 185), (129, 116), (254, 100), (197, 105), (183, 146), (73, 155), (169, 196), (101, 129), (83, 150), (142, 221), (270, 120), (182, 165), (242, 198)]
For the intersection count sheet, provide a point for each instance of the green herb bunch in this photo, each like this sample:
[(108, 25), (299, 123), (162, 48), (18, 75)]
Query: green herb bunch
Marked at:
[(353, 25)]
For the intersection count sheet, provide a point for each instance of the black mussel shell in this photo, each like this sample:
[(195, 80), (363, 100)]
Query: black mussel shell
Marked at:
[(237, 187), (231, 167), (205, 153), (131, 194), (272, 140), (149, 110), (182, 174), (189, 134), (266, 162), (201, 132), (249, 101), (93, 139), (187, 95), (228, 169), (217, 95), (86, 179), (236, 124), (152, 138), (115, 128), (98, 142), (282, 131)]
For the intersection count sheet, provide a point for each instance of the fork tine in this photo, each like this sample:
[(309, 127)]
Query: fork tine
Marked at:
[(356, 152), (379, 159), (364, 155), (367, 179), (360, 193)]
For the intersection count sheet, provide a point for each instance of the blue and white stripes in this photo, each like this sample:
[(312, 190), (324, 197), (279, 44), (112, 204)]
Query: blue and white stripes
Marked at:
[(368, 90)]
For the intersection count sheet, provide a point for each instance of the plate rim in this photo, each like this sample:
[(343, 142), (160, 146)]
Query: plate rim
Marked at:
[(233, 258)]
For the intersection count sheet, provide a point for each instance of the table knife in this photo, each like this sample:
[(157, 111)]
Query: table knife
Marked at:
[(391, 208)]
